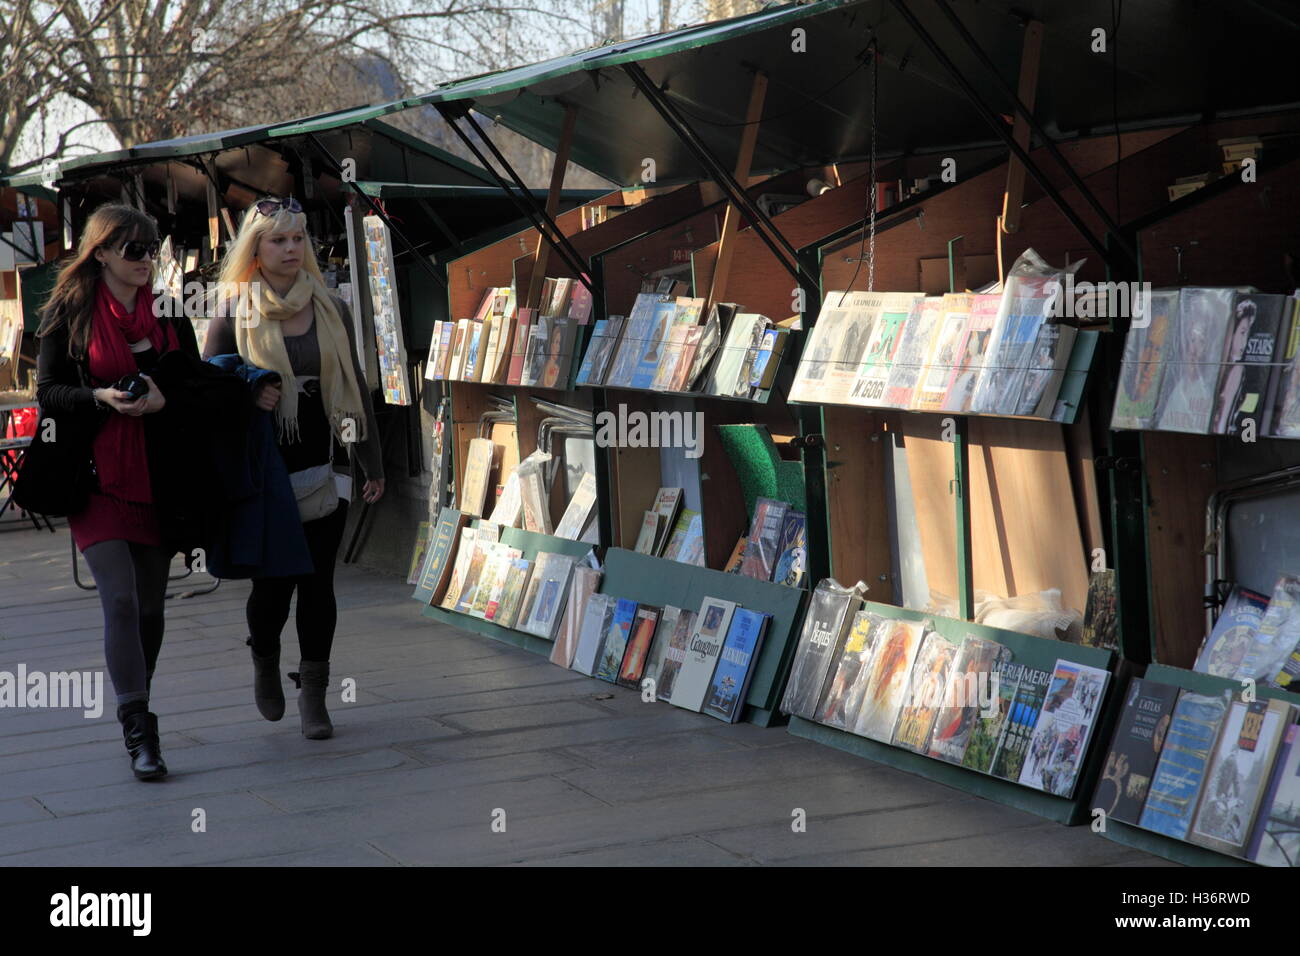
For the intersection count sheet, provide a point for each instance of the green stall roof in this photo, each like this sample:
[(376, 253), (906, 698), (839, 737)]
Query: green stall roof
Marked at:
[(1175, 65), (391, 150)]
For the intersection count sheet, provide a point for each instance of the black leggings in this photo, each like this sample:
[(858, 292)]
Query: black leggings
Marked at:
[(268, 604), (132, 583)]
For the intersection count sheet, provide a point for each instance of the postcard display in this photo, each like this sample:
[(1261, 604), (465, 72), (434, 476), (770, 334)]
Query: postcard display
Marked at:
[(388, 323), (1208, 395)]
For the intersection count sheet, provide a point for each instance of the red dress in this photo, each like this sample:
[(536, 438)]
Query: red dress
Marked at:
[(108, 518), (122, 507)]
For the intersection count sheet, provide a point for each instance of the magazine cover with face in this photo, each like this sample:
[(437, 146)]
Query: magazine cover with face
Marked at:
[(1191, 375)]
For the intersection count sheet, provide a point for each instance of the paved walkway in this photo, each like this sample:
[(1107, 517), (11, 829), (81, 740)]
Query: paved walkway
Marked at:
[(449, 731)]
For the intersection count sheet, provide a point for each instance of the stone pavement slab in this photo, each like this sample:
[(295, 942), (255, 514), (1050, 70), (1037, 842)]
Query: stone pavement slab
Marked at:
[(454, 750)]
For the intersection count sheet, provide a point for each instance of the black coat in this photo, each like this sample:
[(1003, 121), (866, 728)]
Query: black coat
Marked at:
[(207, 412)]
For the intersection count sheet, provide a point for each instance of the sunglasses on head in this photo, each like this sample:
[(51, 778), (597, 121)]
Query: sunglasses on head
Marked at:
[(134, 250), (269, 207)]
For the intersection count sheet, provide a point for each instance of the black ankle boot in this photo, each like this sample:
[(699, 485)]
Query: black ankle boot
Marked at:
[(268, 692), (312, 678), (140, 733)]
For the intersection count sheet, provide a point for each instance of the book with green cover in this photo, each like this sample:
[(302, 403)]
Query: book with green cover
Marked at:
[(438, 561)]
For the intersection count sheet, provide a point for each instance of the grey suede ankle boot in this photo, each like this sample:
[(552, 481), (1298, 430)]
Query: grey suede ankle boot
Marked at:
[(313, 678), (268, 691)]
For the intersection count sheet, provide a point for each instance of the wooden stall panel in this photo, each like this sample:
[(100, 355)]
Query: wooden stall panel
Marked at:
[(856, 446), (1025, 533), (1180, 477), (930, 468), (1020, 472)]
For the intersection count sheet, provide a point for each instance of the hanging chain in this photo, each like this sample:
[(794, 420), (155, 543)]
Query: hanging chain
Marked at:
[(871, 219)]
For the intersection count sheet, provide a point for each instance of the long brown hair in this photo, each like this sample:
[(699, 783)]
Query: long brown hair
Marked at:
[(72, 301)]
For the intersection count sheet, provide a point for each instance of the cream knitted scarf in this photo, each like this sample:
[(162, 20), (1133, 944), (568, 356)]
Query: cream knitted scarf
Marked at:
[(260, 339)]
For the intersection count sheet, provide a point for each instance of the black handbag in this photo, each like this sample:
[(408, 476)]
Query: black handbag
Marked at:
[(56, 476)]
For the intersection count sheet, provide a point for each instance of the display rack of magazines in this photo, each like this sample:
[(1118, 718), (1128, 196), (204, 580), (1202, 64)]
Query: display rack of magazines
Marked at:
[(1002, 354), (672, 344), (1213, 361), (1015, 708)]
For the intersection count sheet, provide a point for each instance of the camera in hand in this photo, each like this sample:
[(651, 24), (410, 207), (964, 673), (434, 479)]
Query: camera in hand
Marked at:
[(133, 384)]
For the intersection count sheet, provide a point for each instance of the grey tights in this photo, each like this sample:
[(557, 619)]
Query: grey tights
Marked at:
[(132, 583)]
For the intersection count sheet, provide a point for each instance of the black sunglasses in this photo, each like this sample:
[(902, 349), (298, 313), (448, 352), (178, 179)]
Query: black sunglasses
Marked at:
[(133, 250), (269, 207)]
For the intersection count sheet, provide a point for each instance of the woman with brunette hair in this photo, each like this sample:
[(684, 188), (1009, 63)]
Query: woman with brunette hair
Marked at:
[(100, 336), (279, 316)]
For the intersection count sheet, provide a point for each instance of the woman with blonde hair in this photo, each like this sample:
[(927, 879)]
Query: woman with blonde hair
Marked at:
[(100, 336), (278, 315)]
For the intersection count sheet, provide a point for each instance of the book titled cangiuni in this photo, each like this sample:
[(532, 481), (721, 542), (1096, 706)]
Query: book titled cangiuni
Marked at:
[(702, 653)]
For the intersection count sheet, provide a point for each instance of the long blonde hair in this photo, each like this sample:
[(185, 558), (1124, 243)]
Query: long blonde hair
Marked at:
[(72, 301), (239, 265)]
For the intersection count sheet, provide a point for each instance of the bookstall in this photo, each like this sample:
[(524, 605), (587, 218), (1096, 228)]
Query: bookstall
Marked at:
[(1037, 523), (1004, 476), (1204, 516), (642, 269)]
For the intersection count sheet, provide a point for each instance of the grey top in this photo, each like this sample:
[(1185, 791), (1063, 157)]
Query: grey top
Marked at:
[(304, 359)]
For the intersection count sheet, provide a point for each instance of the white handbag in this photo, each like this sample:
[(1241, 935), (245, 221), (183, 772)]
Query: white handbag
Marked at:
[(317, 488)]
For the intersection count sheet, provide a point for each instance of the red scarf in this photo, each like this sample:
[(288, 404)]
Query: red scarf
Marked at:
[(119, 446)]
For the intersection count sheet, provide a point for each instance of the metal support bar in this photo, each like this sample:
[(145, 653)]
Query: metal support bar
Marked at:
[(1111, 226), (961, 483), (377, 210), (1129, 502), (787, 255), (995, 123), (525, 199), (811, 421), (559, 241)]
